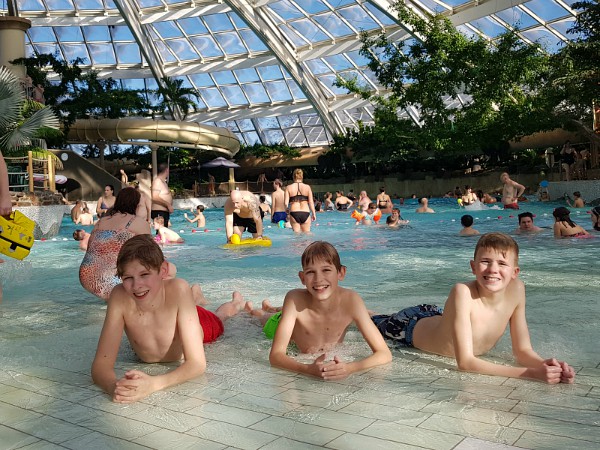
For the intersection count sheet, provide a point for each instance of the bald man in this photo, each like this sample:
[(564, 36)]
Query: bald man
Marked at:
[(242, 213)]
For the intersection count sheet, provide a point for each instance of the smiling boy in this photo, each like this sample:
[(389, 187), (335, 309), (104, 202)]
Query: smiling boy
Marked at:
[(316, 319), (161, 321), (475, 316)]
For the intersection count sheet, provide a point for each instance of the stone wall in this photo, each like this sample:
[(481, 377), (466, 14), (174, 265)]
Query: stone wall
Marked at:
[(45, 208)]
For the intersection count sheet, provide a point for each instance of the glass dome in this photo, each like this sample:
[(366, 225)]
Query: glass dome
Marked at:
[(262, 68)]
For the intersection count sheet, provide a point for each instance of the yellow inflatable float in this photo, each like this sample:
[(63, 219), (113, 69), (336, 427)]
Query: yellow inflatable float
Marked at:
[(248, 242), (16, 235)]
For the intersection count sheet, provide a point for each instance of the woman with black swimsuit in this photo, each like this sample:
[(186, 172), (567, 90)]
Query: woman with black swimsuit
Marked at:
[(299, 200)]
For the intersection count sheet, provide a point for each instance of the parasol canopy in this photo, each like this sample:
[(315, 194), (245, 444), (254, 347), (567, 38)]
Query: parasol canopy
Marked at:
[(222, 162)]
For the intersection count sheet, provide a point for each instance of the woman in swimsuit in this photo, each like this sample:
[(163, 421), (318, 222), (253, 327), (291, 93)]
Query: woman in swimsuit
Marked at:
[(107, 200), (363, 201), (384, 202), (327, 202), (299, 199), (595, 216), (342, 203), (98, 271), (564, 226)]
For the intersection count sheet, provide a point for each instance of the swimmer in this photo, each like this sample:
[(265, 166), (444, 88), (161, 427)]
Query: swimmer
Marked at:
[(424, 208), (265, 209), (83, 237), (564, 226), (165, 235), (242, 213), (595, 216), (475, 317), (526, 224), (300, 201), (85, 218), (467, 222), (363, 201), (328, 204), (469, 197), (578, 202), (106, 202), (511, 191), (278, 212), (384, 202), (162, 322), (316, 319), (342, 203), (395, 219), (370, 215), (199, 219)]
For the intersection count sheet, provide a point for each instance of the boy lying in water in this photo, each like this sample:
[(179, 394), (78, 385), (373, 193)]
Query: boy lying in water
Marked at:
[(475, 316), (316, 319), (162, 321)]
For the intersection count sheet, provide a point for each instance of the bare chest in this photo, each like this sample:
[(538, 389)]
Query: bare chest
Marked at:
[(313, 335)]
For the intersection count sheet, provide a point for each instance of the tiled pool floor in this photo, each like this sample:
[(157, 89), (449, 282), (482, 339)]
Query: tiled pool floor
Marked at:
[(48, 401)]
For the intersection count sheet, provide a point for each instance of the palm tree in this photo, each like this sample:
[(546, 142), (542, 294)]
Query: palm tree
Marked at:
[(22, 119), (176, 98)]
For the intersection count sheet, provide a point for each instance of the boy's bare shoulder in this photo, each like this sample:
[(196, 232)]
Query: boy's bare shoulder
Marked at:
[(176, 289)]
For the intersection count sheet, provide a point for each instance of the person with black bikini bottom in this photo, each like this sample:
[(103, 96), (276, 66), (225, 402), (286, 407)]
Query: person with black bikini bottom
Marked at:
[(299, 200)]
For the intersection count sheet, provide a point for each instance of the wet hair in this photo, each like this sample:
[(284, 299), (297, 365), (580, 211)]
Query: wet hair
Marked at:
[(162, 168), (298, 174), (262, 198), (76, 234), (389, 220), (499, 242), (466, 220), (126, 202), (321, 251), (142, 248), (396, 209), (200, 208), (372, 205), (577, 194), (277, 182), (86, 210), (525, 214), (562, 214), (382, 189)]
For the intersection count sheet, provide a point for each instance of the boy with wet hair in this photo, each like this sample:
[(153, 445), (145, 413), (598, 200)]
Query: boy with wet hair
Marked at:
[(316, 319), (475, 316), (161, 320), (526, 224), (467, 222), (199, 219)]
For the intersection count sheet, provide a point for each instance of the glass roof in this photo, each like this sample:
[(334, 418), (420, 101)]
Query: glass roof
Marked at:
[(263, 68)]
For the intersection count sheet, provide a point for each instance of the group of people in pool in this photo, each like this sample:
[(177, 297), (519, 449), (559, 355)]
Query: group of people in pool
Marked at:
[(165, 321)]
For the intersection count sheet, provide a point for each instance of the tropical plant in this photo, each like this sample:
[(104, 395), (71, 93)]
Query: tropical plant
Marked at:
[(266, 151), (176, 98), (21, 119)]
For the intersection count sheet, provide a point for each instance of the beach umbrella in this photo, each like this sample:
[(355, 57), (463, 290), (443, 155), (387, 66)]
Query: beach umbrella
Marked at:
[(222, 162)]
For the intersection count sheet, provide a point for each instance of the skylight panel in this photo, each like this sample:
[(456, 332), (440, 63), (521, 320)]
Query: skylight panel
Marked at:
[(251, 138), (292, 36), (328, 81), (60, 5), (380, 16), (316, 136), (488, 27), (207, 46), (256, 93), (134, 84), (238, 21), (245, 125), (96, 33), (289, 121), (562, 27), (252, 41), (309, 30), (313, 6), (72, 51), (41, 49), (68, 34), (317, 66), (102, 54), (164, 52), (41, 34), (267, 123), (333, 24), (516, 17), (278, 91), (167, 29), (338, 62), (357, 58), (128, 53), (285, 10), (148, 3), (274, 137), (546, 9), (549, 41), (359, 18), (183, 49), (435, 7), (246, 75), (269, 73), (121, 33), (231, 43), (193, 26), (218, 22), (31, 5), (202, 80), (224, 77), (295, 137), (296, 91), (234, 95), (90, 5), (213, 98)]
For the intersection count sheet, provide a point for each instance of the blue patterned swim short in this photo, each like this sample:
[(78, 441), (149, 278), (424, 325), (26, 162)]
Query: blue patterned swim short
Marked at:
[(399, 326)]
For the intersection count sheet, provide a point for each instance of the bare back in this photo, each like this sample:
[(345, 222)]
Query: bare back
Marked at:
[(277, 198), (487, 322)]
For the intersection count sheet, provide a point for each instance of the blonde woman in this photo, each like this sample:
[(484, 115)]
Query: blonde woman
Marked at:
[(299, 200)]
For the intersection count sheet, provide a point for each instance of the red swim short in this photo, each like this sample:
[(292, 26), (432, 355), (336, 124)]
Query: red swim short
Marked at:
[(212, 327), (512, 206)]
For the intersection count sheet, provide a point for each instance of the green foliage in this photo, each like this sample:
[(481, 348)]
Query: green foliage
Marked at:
[(175, 97), (266, 151)]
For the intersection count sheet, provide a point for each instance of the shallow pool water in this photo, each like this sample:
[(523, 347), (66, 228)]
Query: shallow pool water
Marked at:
[(49, 326)]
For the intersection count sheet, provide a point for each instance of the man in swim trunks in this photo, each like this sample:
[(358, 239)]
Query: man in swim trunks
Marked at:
[(162, 200), (475, 317), (242, 213), (278, 212), (161, 321), (511, 191)]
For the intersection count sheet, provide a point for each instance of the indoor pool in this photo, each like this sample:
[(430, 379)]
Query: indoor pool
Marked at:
[(50, 325)]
